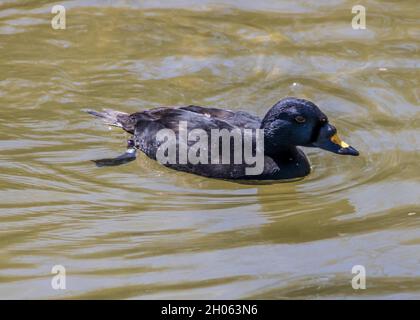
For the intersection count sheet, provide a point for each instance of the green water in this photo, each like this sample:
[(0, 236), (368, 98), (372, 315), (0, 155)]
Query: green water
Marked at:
[(144, 231)]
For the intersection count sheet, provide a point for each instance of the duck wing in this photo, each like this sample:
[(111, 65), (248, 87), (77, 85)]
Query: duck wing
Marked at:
[(150, 122), (239, 119)]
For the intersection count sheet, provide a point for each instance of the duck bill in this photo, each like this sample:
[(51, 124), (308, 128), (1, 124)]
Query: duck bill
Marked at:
[(329, 140)]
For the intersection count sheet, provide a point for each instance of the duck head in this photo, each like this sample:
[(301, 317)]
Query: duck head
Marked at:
[(299, 122)]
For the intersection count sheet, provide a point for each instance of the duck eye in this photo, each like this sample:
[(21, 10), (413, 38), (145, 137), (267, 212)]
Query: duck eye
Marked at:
[(300, 119)]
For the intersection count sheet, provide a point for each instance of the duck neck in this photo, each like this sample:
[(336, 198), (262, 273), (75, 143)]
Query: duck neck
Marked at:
[(281, 151), (290, 159)]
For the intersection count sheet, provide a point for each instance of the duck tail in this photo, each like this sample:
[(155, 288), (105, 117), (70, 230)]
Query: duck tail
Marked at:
[(114, 118)]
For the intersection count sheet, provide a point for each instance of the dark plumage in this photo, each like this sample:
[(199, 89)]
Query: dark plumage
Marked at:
[(291, 122)]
